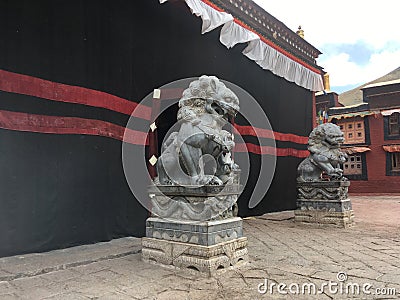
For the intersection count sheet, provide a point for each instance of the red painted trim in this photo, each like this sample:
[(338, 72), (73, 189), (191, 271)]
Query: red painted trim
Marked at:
[(268, 150), (37, 87), (209, 3), (266, 133), (68, 125), (268, 42)]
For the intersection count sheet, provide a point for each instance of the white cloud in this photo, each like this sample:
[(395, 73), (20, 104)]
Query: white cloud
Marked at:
[(345, 72), (373, 23), (340, 64), (340, 21)]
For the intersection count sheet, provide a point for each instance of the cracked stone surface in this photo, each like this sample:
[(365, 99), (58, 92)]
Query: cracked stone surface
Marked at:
[(280, 252)]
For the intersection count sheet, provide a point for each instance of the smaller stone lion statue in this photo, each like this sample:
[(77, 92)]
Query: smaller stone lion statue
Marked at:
[(325, 155)]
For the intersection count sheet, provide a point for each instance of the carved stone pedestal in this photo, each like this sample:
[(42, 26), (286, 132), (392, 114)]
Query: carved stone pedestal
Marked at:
[(324, 202), (195, 228), (203, 246), (206, 233), (194, 203), (193, 198)]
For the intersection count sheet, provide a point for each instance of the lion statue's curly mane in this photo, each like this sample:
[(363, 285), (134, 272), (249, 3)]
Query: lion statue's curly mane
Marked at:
[(205, 107)]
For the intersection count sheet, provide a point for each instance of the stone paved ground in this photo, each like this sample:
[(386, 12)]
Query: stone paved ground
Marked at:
[(280, 252)]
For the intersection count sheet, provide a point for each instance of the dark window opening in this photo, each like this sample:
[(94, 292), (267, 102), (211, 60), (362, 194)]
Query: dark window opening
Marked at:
[(395, 158), (394, 124)]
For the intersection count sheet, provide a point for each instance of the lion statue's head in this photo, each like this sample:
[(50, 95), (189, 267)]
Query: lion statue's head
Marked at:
[(208, 95), (325, 135)]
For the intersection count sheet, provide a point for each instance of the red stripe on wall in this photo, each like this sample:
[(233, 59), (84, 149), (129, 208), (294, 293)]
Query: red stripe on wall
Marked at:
[(68, 125), (292, 152), (32, 86), (71, 125), (262, 150), (266, 133), (37, 87)]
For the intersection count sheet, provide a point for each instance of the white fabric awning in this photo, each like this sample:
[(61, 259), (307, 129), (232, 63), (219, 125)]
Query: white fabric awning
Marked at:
[(390, 111), (264, 55), (391, 148), (361, 114), (353, 150)]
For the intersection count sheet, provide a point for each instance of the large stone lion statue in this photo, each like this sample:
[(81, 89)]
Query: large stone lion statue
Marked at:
[(325, 154), (205, 107)]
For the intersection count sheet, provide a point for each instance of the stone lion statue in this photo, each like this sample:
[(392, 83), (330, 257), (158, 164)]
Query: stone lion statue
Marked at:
[(325, 154), (205, 107)]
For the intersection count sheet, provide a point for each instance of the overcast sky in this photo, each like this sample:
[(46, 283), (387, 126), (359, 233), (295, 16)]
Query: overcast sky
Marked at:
[(360, 40)]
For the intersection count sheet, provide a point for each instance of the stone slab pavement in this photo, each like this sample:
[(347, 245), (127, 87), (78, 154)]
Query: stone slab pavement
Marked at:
[(286, 261)]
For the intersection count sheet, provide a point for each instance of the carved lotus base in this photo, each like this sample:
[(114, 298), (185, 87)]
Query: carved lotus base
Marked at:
[(208, 202), (205, 259)]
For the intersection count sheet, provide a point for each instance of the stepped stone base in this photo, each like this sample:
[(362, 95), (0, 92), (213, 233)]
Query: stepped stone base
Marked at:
[(195, 228), (206, 259), (324, 202), (343, 219), (204, 233), (203, 246)]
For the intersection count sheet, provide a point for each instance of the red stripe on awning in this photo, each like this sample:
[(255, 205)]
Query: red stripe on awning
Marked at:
[(68, 125), (37, 87)]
